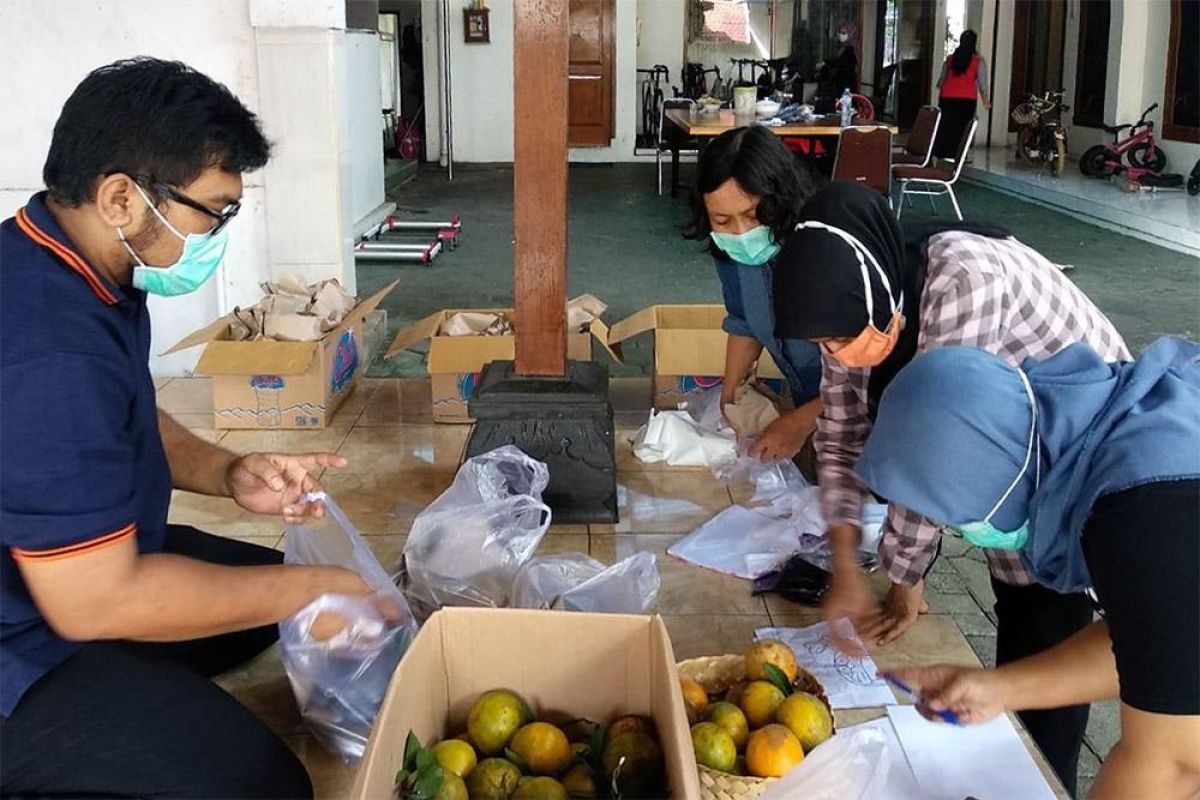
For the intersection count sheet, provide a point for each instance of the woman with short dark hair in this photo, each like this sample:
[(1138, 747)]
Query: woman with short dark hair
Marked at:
[(749, 192)]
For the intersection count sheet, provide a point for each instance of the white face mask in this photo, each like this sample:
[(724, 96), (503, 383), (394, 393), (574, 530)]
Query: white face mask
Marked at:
[(843, 37)]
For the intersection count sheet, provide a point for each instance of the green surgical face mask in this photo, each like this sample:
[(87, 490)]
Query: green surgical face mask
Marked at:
[(202, 254), (753, 248), (984, 533)]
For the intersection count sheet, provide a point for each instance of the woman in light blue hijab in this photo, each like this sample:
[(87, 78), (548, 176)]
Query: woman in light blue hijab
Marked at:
[(1092, 471)]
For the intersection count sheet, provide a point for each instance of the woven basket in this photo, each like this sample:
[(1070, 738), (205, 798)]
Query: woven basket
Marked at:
[(716, 674), (1024, 114)]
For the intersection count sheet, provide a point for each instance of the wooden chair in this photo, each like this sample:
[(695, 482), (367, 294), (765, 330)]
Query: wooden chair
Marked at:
[(933, 181), (864, 155), (672, 140), (918, 150)]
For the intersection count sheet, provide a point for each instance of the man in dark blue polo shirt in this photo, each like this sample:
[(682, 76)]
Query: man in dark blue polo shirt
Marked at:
[(111, 620)]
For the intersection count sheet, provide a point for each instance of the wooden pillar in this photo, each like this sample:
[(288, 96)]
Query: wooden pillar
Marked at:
[(540, 185)]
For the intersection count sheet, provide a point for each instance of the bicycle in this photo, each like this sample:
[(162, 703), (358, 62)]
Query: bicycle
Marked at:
[(1139, 149), (1042, 136), (652, 101)]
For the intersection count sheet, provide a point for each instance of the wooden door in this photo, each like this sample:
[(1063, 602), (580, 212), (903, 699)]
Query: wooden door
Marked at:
[(590, 73), (1039, 38)]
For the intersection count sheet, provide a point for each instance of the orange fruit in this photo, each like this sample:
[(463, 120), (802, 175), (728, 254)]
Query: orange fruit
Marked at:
[(494, 718), (453, 788), (694, 697), (543, 747), (807, 717), (714, 747), (759, 703), (730, 718), (493, 779), (634, 762), (772, 751), (455, 755), (540, 789), (581, 782), (770, 651), (629, 724)]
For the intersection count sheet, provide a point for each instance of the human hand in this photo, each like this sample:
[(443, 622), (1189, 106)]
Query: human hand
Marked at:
[(782, 439), (848, 597), (900, 611), (974, 695), (275, 483), (987, 105)]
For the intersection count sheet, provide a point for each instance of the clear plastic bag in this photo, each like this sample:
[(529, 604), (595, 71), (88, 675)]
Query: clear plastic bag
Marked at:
[(340, 681), (850, 766), (576, 582), (770, 479), (465, 548)]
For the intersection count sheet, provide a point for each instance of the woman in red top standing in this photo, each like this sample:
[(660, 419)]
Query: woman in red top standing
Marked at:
[(963, 81)]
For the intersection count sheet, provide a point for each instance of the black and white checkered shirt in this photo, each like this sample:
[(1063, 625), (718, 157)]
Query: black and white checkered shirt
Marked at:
[(995, 294)]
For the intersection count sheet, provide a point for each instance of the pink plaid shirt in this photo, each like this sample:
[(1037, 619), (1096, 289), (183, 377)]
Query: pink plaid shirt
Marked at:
[(994, 294)]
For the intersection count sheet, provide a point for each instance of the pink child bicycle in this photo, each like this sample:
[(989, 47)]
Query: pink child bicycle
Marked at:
[(1139, 149)]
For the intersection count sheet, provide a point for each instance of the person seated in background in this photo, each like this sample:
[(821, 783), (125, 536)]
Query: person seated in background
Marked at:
[(1091, 472), (874, 295), (749, 191), (113, 621)]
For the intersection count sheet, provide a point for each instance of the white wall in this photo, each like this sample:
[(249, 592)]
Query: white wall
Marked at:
[(481, 81), (298, 214), (43, 56), (661, 26)]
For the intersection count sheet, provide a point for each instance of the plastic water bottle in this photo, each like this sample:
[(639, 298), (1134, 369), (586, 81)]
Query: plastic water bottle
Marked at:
[(847, 109)]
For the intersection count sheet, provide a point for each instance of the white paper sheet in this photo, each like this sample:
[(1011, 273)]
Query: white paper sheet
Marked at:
[(951, 762), (850, 682), (901, 783)]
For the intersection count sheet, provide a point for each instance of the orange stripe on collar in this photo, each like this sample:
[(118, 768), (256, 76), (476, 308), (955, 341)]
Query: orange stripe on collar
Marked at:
[(65, 254)]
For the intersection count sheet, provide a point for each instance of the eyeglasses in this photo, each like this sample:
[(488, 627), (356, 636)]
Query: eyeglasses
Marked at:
[(222, 217)]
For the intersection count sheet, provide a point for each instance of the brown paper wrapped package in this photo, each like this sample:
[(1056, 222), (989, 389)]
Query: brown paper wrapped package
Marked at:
[(751, 412), (293, 311)]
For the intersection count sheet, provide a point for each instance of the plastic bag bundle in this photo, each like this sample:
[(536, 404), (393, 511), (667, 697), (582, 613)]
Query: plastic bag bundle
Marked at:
[(465, 548), (576, 582), (339, 680)]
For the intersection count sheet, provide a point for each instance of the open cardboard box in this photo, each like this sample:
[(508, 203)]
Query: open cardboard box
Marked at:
[(689, 350), (455, 362), (278, 385), (565, 664)]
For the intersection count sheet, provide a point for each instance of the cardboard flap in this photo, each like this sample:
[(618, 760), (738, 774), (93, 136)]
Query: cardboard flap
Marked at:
[(419, 331), (601, 333), (639, 322), (363, 309), (257, 358), (208, 333)]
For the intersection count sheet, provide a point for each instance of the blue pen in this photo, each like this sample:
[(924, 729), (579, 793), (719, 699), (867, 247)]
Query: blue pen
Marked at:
[(945, 715)]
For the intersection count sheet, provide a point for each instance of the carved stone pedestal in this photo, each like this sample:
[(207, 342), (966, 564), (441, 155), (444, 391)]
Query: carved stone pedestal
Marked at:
[(566, 422)]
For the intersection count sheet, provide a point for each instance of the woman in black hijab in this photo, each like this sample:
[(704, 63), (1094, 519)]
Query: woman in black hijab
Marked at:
[(873, 295)]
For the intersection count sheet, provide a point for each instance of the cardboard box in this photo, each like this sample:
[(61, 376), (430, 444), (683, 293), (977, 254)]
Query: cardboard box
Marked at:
[(566, 664), (280, 385), (689, 350), (455, 362)]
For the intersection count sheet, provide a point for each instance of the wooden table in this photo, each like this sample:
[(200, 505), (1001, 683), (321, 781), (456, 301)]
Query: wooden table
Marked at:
[(706, 126)]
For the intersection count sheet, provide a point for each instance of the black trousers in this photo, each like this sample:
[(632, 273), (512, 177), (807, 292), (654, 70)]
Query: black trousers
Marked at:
[(123, 719), (1032, 619), (956, 118)]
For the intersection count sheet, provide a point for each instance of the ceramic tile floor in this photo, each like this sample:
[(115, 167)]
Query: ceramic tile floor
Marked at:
[(400, 461)]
